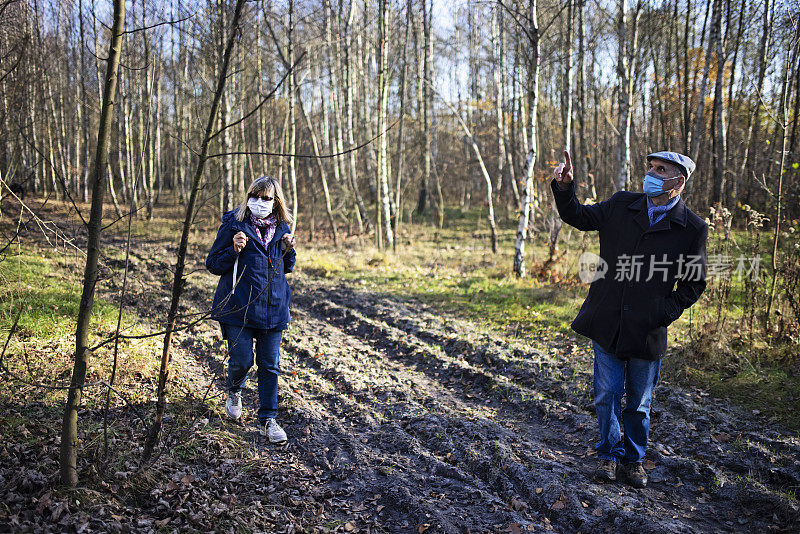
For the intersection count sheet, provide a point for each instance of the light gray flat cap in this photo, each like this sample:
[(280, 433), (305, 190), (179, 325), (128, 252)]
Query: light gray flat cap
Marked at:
[(684, 162)]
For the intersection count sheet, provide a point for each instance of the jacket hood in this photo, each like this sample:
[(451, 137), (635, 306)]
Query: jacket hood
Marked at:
[(230, 215)]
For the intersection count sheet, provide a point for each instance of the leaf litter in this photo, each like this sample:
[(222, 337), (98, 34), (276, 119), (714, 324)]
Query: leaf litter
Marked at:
[(401, 419)]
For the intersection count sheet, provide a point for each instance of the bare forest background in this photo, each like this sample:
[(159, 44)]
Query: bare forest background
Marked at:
[(417, 84)]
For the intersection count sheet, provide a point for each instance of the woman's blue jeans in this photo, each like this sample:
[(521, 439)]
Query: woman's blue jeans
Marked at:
[(613, 377), (240, 360)]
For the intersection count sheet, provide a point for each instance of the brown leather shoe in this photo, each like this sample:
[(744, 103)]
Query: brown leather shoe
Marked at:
[(636, 475), (606, 470)]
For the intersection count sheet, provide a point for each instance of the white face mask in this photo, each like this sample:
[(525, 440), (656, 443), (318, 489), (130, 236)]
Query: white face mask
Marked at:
[(260, 208)]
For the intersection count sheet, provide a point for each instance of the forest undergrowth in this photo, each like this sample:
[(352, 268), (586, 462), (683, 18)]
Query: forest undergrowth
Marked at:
[(424, 390)]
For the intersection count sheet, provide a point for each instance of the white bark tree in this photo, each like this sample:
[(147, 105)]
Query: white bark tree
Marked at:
[(532, 33)]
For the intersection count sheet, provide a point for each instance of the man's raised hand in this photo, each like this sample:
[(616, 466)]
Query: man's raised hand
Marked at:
[(563, 173)]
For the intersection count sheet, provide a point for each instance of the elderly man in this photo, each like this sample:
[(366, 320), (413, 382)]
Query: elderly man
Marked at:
[(654, 248)]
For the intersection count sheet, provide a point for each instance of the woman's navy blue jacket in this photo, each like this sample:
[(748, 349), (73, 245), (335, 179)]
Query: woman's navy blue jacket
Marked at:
[(257, 301)]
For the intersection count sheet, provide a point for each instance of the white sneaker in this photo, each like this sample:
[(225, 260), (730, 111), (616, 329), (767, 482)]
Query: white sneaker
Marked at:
[(233, 406), (273, 431)]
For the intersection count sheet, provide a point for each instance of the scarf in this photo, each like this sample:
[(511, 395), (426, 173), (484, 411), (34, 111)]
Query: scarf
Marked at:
[(265, 228), (657, 213)]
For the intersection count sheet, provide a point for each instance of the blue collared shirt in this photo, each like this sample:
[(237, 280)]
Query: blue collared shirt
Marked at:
[(656, 213)]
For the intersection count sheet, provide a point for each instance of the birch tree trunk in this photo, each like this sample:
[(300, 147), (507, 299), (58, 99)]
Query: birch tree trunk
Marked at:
[(227, 188), (686, 94), (320, 167), (383, 94), (719, 141), (763, 52), (51, 147), (516, 125), (69, 429), (713, 35), (144, 155), (530, 160), (585, 165), (569, 49), (349, 104), (83, 155), (121, 152), (427, 25), (504, 167), (626, 67), (367, 63), (284, 142), (185, 126), (398, 210), (422, 94), (473, 95), (133, 189), (155, 140), (335, 134), (175, 48), (111, 190)]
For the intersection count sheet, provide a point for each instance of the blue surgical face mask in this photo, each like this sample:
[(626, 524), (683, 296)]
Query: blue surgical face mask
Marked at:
[(653, 185)]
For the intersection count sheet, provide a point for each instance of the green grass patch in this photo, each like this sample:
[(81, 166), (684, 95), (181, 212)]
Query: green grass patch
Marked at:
[(48, 295), (465, 280), (771, 390), (43, 288)]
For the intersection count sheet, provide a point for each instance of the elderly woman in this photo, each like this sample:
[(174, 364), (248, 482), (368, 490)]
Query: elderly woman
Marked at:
[(252, 253)]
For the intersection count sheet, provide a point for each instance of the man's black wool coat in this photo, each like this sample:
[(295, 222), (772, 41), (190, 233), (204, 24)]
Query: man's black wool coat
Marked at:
[(622, 314)]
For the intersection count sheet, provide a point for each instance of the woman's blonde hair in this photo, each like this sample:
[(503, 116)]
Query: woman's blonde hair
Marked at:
[(265, 184)]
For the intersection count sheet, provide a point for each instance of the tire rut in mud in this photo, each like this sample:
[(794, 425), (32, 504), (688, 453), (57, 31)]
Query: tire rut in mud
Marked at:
[(521, 437), (407, 418)]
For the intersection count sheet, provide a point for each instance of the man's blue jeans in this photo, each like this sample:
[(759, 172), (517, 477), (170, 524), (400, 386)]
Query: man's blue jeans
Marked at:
[(636, 378), (240, 360)]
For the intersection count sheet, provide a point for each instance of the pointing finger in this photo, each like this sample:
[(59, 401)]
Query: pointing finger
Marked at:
[(568, 161)]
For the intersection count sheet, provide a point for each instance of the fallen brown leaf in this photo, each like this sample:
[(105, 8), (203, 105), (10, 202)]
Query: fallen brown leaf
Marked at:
[(518, 504), (560, 504)]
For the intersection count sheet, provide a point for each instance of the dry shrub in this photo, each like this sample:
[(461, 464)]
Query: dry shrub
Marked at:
[(712, 347)]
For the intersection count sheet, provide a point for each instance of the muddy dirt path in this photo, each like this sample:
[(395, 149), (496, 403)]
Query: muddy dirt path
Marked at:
[(461, 429), (403, 419)]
